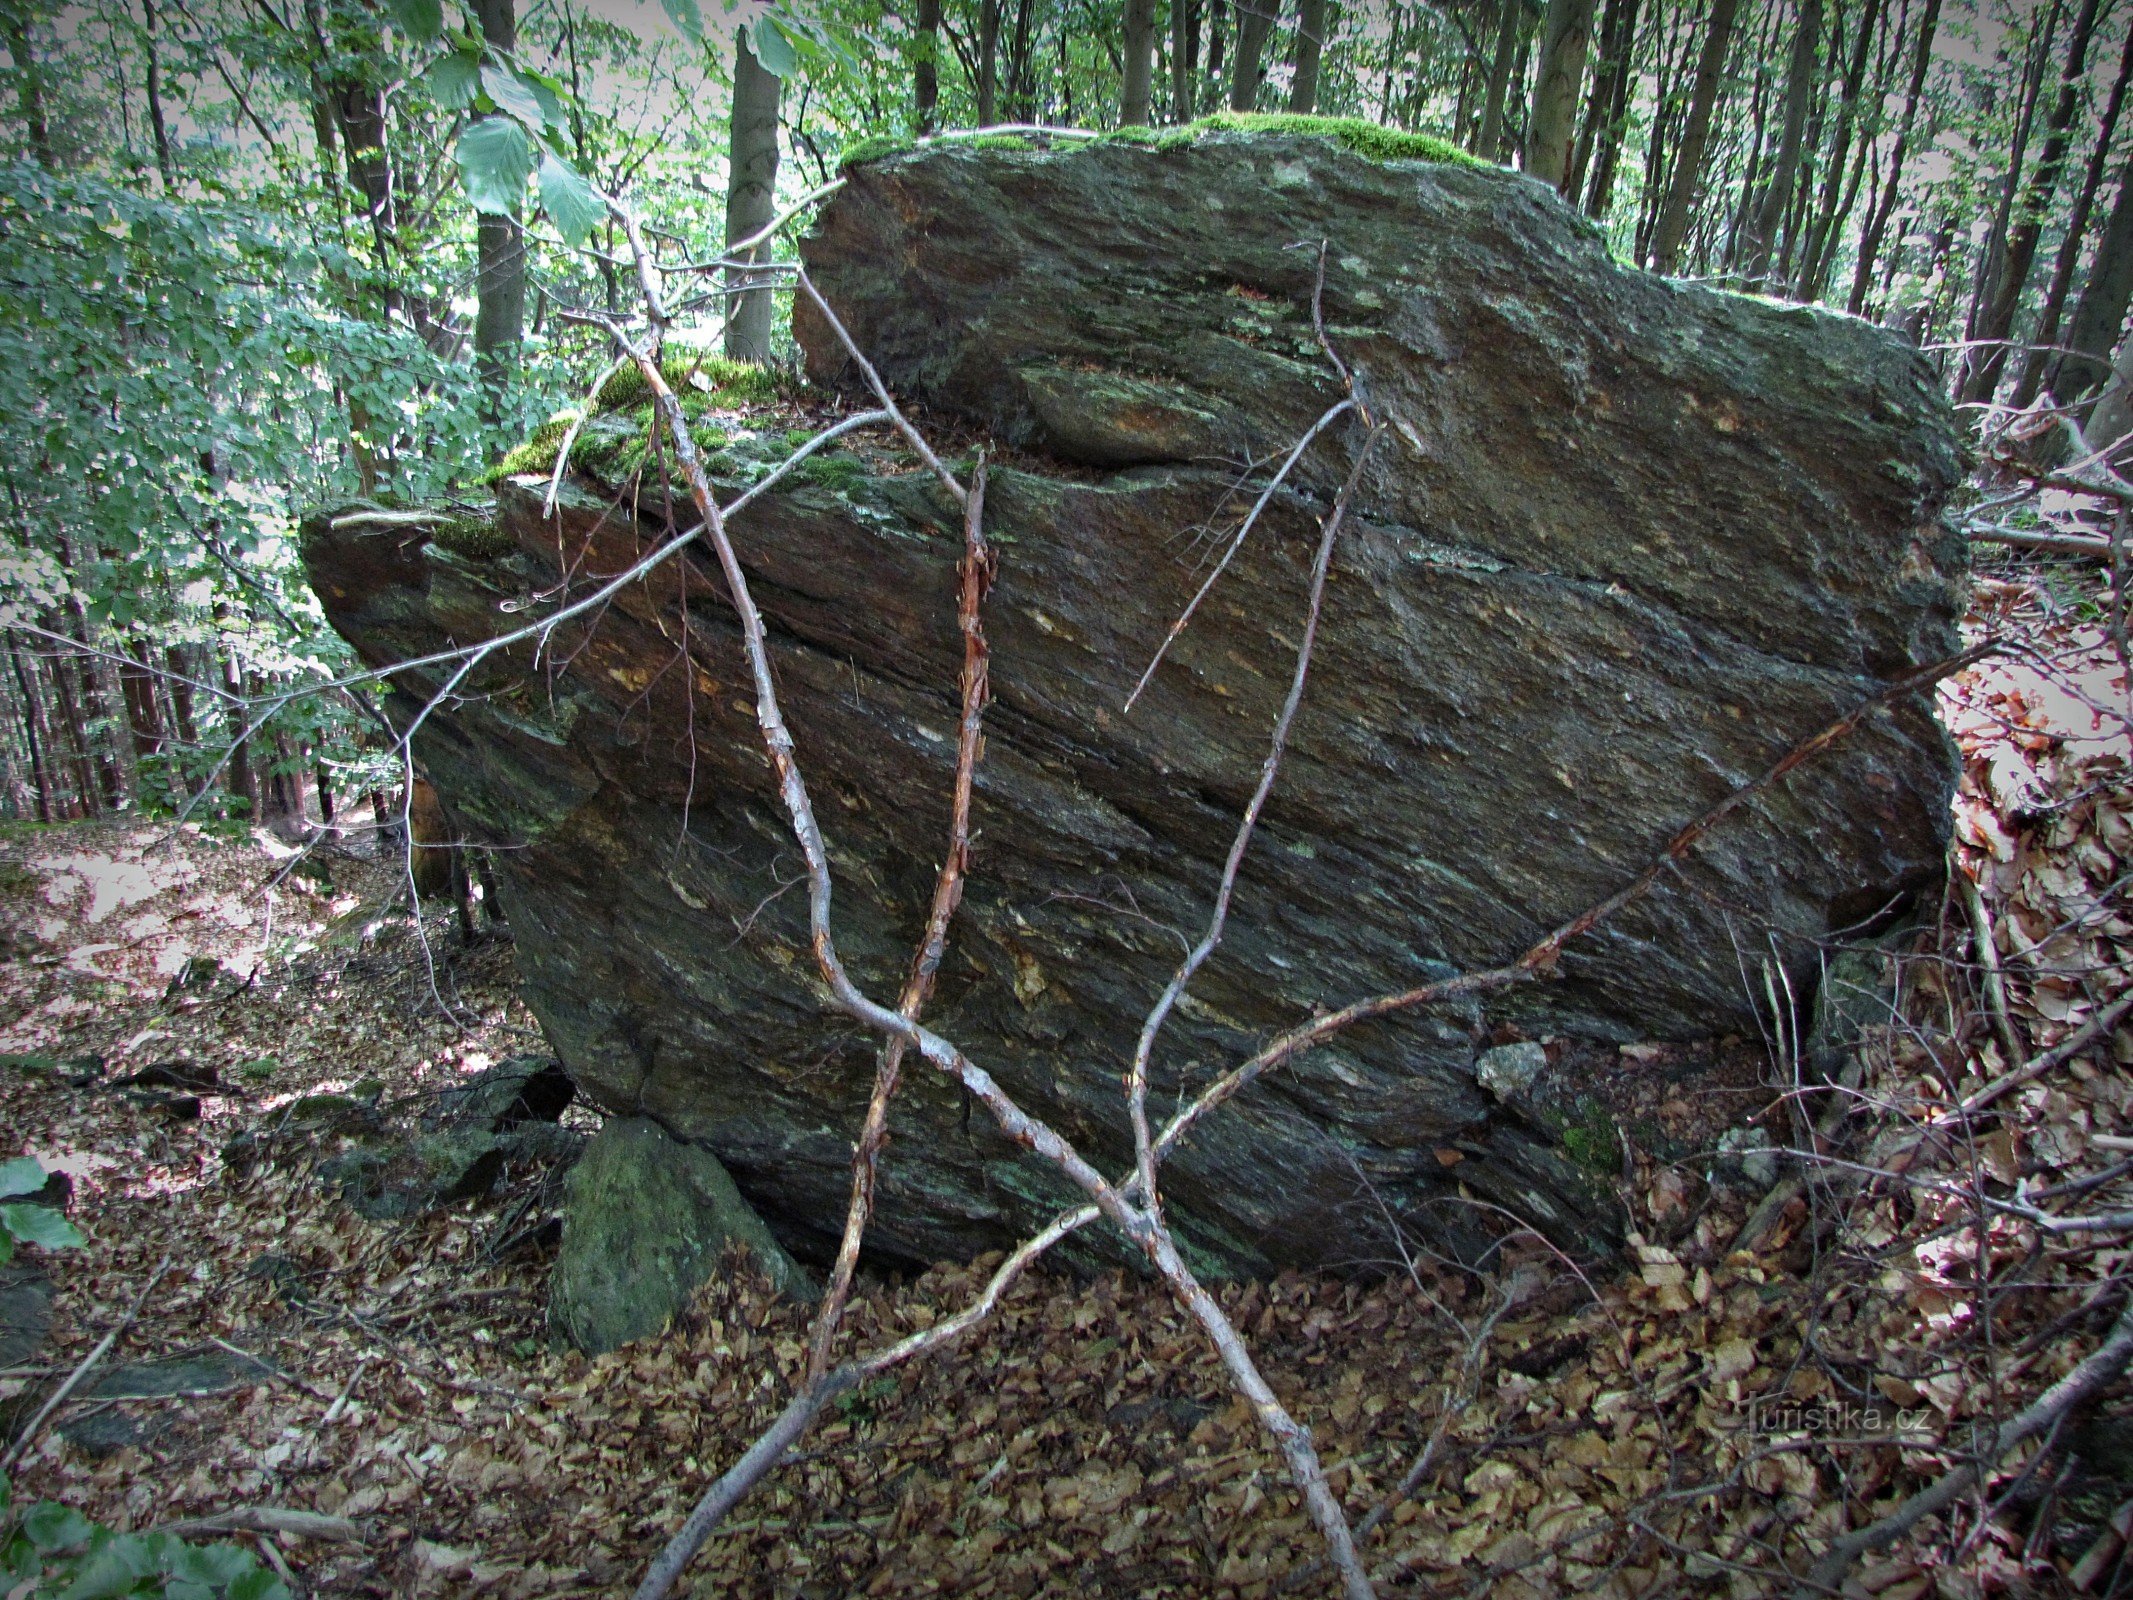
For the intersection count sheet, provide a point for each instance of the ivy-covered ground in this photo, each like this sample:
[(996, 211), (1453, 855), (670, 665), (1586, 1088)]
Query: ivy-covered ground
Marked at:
[(1684, 1419)]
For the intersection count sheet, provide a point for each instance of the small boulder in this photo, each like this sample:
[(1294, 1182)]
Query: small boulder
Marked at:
[(1508, 1068), (646, 1222)]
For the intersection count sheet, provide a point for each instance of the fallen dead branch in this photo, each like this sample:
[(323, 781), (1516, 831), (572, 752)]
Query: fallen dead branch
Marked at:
[(265, 1519)]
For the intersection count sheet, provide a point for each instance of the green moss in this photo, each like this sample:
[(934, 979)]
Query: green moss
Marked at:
[(839, 473), (998, 141), (738, 382), (537, 454), (1366, 139), (1593, 1141), (874, 147), (476, 538)]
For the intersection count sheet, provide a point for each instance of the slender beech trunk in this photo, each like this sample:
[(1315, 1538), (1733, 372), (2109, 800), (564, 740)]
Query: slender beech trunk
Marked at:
[(1184, 60), (1310, 52), (2100, 314), (157, 126), (29, 87), (1877, 221), (988, 63), (1673, 224), (1833, 176), (1510, 19), (1989, 360), (80, 756), (144, 719), (1137, 92), (2043, 358), (1255, 20), (34, 731), (926, 69), (751, 198), (1600, 141), (1984, 279), (1777, 193), (1019, 87), (500, 256), (1566, 38)]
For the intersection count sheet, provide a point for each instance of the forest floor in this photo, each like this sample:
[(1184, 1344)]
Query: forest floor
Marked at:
[(1693, 1417)]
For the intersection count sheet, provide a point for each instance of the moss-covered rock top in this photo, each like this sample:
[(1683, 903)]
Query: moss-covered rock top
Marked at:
[(614, 441), (1365, 139)]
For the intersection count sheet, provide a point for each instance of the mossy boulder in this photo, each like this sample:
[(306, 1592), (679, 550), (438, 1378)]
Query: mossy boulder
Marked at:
[(648, 1220)]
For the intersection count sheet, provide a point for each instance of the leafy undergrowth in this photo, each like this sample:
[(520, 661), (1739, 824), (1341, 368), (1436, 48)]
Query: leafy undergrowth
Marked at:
[(1695, 1417)]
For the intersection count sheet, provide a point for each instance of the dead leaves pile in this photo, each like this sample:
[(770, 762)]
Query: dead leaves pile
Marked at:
[(1691, 1416)]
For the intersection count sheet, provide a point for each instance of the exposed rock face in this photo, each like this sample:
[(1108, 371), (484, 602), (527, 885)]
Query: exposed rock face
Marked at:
[(1624, 544)]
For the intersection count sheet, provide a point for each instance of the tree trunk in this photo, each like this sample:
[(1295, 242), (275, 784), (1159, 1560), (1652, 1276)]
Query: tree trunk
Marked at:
[(1184, 60), (1255, 20), (1488, 141), (325, 791), (34, 731), (926, 68), (80, 752), (1877, 222), (238, 778), (1769, 214), (2100, 313), (1990, 359), (1566, 37), (1673, 224), (1827, 218), (29, 87), (157, 126), (2043, 358), (1139, 86), (1992, 251), (1019, 87), (2112, 419), (1592, 170), (143, 716), (751, 199), (1310, 51), (500, 255), (988, 63)]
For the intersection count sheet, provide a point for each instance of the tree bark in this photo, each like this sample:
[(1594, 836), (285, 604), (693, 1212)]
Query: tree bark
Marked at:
[(1989, 360), (1827, 216), (2100, 313), (751, 198), (1566, 39), (988, 63), (1255, 20), (1769, 213), (500, 255), (1877, 221), (1184, 60), (926, 70), (1488, 140), (1673, 224), (1310, 52), (1592, 170), (34, 730), (29, 89), (1139, 87), (157, 126), (143, 716), (2043, 358)]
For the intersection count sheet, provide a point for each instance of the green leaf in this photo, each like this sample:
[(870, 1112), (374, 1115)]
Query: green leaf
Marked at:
[(52, 1526), (686, 17), (7, 1247), (41, 1226), (772, 49), (513, 93), (454, 80), (420, 20), (258, 1585), (215, 1565), (23, 1175), (569, 200), (114, 1569), (495, 160)]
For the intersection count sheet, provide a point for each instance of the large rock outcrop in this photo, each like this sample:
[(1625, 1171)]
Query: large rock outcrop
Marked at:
[(1625, 543)]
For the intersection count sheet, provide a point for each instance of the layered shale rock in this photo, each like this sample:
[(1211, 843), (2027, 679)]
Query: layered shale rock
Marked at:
[(1622, 543)]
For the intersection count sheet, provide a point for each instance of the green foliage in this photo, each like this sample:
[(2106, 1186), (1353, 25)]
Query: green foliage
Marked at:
[(41, 1226), (50, 1551)]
